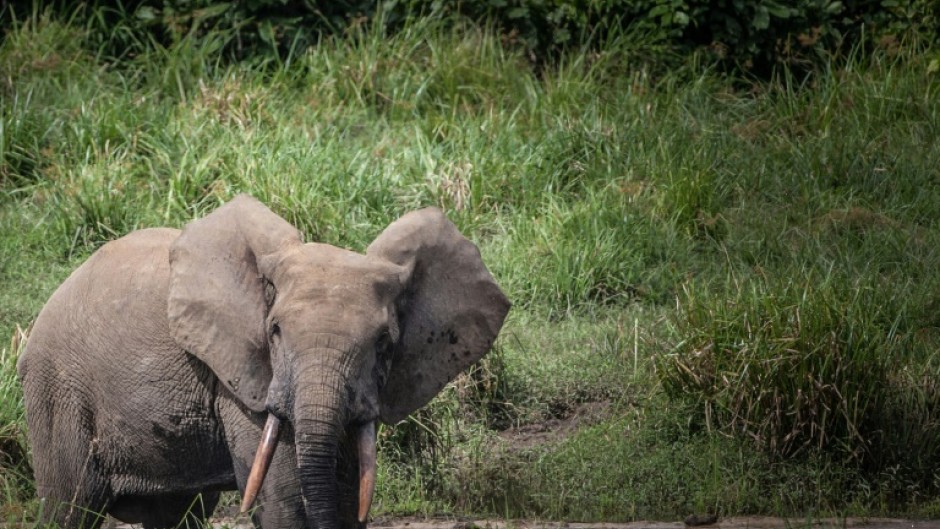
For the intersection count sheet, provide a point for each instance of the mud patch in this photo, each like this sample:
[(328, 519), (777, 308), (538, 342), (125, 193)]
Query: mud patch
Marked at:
[(743, 522), (556, 429)]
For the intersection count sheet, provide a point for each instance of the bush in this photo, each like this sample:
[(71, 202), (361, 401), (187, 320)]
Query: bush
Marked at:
[(816, 365), (748, 36), (759, 35)]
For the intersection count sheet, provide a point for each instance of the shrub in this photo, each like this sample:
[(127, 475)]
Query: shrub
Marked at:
[(819, 364), (750, 36), (759, 35)]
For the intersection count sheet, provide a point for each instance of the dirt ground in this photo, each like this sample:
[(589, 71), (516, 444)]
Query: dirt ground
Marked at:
[(725, 523), (744, 522)]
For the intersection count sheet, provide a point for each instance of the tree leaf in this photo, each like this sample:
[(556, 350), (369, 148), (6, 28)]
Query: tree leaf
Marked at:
[(660, 10), (761, 18), (266, 32), (146, 13), (779, 11), (934, 66)]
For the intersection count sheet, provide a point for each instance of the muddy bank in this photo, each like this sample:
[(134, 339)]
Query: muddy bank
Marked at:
[(749, 522), (743, 522)]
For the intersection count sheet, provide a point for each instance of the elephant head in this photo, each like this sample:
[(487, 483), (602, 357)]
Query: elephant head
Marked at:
[(329, 339)]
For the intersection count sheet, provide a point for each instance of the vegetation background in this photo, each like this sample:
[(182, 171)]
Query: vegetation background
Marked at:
[(718, 222)]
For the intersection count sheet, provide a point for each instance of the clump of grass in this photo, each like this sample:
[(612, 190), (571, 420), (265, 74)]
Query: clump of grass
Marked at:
[(601, 249), (40, 60), (805, 364)]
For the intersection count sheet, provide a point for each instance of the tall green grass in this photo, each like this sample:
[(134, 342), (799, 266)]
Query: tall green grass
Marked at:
[(799, 365), (15, 471), (742, 277)]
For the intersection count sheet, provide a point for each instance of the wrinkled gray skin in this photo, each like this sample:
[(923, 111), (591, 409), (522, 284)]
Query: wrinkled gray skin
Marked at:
[(150, 372)]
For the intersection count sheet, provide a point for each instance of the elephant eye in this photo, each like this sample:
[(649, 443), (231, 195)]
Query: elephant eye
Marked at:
[(383, 342), (383, 357), (275, 329)]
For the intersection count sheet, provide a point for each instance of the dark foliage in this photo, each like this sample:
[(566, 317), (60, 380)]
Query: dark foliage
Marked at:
[(753, 37)]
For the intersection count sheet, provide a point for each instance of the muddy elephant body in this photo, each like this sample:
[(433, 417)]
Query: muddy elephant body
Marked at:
[(149, 374)]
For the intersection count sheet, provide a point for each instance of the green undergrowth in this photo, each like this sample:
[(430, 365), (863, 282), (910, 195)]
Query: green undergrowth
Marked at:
[(725, 292), (645, 464)]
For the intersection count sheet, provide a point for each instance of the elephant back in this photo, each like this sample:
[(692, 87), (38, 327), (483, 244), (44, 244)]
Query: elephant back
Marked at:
[(110, 308)]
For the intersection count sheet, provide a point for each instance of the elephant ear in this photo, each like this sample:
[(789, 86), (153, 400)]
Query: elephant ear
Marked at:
[(216, 303), (449, 312)]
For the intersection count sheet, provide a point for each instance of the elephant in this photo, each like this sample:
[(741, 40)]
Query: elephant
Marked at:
[(176, 364)]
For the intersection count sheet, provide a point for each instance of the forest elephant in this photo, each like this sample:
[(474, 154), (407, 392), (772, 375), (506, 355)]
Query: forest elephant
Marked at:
[(155, 370)]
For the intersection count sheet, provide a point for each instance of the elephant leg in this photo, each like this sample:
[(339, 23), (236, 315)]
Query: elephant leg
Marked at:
[(71, 513), (70, 483), (79, 504), (167, 510), (182, 510), (279, 503), (280, 500)]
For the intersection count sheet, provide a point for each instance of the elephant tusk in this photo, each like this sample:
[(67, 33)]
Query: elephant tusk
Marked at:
[(262, 460), (366, 469)]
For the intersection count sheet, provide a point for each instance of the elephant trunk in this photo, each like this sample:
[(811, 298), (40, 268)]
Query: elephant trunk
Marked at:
[(316, 461), (319, 415), (318, 420), (321, 398)]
